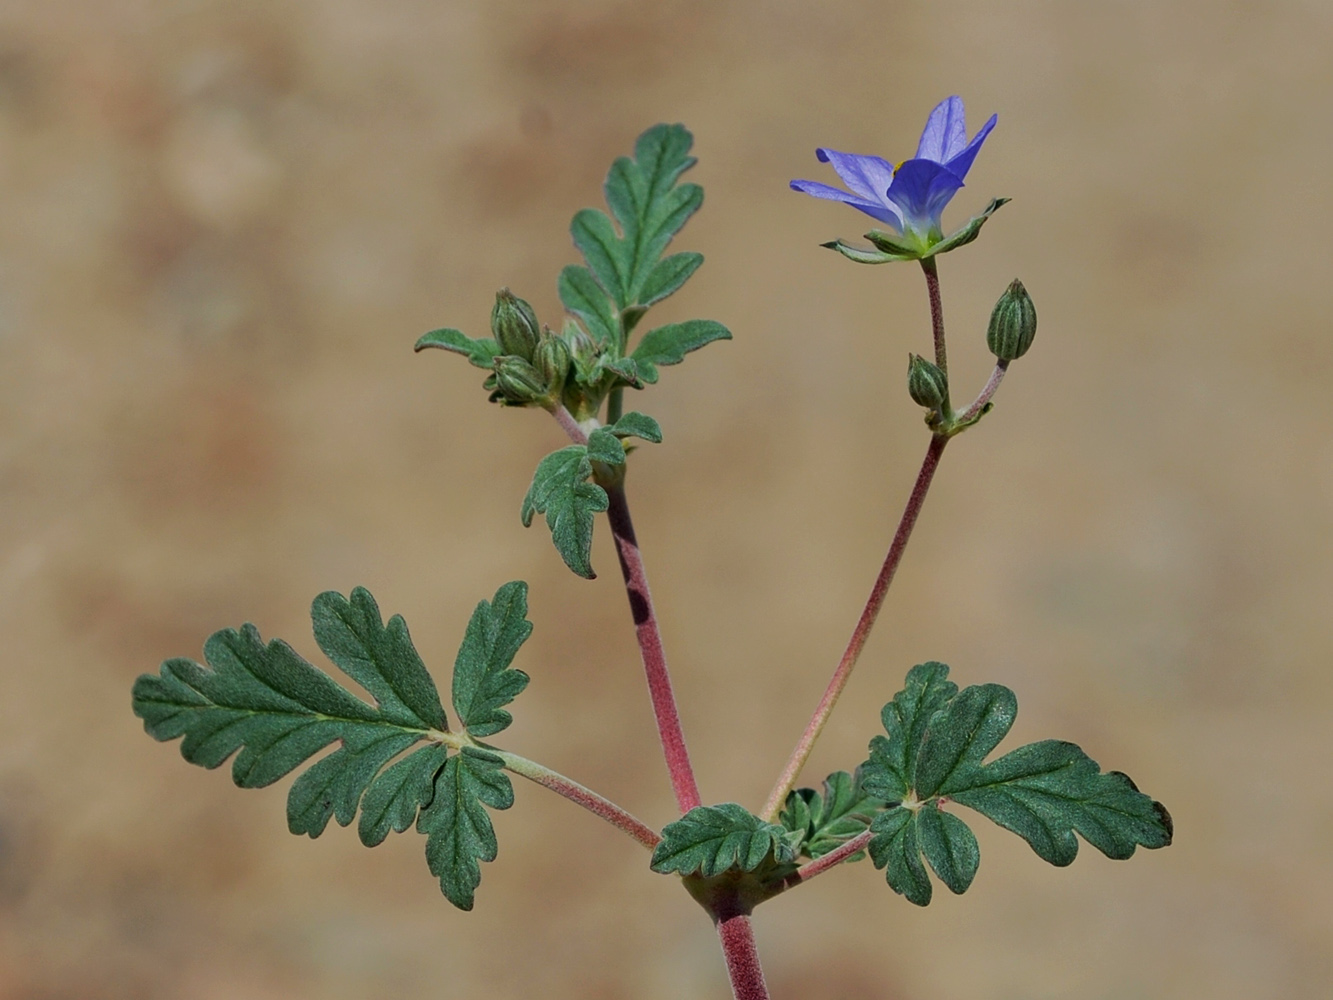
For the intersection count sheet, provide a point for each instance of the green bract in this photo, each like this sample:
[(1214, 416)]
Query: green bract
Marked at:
[(820, 822), (934, 753), (710, 840), (278, 710)]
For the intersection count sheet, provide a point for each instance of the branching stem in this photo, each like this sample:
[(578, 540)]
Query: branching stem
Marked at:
[(861, 633), (822, 864), (647, 631), (747, 978), (579, 795)]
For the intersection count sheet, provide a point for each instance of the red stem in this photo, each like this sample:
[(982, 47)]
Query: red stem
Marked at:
[(650, 646), (820, 865), (862, 631), (936, 313), (747, 978), (647, 632)]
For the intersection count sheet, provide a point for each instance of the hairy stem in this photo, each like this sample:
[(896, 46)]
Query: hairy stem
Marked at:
[(936, 313), (650, 646), (974, 411), (649, 636), (822, 864), (861, 633), (747, 978), (579, 795)]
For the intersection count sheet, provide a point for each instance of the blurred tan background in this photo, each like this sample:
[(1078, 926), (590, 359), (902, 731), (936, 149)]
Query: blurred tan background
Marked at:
[(223, 225)]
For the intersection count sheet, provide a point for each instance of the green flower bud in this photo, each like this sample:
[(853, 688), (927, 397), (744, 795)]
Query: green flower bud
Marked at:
[(1013, 323), (926, 384), (514, 325), (552, 360), (581, 346), (517, 382)]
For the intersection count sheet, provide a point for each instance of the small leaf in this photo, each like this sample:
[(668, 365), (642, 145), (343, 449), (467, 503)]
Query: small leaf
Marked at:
[(710, 840), (605, 447), (561, 491), (585, 298), (668, 345), (634, 424), (481, 353), (607, 257), (841, 812), (668, 275), (483, 678), (458, 829)]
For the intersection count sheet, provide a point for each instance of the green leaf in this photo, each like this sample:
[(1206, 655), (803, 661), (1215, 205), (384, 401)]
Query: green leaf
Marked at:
[(668, 275), (710, 840), (278, 710), (561, 491), (380, 658), (458, 829), (483, 678), (668, 345), (645, 200), (626, 370), (391, 803), (584, 297), (822, 822), (926, 691), (481, 353), (605, 447), (934, 753), (607, 257), (895, 848), (635, 424), (863, 256)]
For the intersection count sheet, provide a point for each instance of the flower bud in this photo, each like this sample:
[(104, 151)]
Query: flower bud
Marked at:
[(581, 346), (517, 381), (1013, 323), (514, 325), (552, 359), (926, 384)]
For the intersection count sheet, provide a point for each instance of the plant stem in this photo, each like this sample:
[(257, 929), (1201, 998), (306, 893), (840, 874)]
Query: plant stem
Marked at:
[(861, 633), (820, 865), (979, 404), (579, 795), (747, 978), (936, 313), (650, 646), (649, 636)]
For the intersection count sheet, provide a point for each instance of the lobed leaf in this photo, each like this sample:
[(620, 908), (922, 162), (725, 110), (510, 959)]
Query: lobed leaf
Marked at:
[(585, 298), (605, 447), (668, 345), (667, 275), (710, 840), (934, 752), (272, 710), (561, 491), (484, 681)]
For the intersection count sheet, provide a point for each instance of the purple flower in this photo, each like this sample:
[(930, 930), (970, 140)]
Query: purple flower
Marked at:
[(910, 198)]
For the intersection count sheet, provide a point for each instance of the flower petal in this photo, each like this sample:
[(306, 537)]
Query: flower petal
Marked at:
[(921, 188), (886, 213), (945, 133), (961, 162), (868, 176)]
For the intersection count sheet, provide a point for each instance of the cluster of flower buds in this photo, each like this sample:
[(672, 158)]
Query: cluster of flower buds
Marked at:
[(536, 366)]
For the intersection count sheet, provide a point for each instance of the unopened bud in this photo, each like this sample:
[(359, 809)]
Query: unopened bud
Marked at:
[(514, 325), (581, 345), (926, 384), (517, 381), (552, 360), (1013, 323)]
